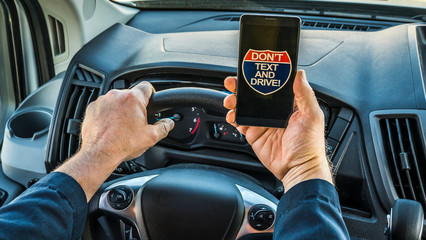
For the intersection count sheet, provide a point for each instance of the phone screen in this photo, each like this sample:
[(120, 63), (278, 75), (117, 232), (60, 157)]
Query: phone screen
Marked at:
[(267, 67)]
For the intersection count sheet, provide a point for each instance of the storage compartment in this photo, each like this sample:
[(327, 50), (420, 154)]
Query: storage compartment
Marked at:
[(29, 124)]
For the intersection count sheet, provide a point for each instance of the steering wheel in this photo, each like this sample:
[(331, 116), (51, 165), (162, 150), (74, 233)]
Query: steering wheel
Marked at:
[(188, 201)]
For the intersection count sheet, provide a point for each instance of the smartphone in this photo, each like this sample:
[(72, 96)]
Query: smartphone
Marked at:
[(267, 65)]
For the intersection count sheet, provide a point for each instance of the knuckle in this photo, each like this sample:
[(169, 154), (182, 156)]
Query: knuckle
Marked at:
[(163, 130), (128, 96), (90, 106), (98, 100), (155, 135), (318, 115), (312, 93), (112, 93), (145, 87), (160, 132)]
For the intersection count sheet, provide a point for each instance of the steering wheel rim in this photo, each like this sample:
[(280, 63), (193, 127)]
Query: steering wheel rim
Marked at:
[(251, 192), (187, 97)]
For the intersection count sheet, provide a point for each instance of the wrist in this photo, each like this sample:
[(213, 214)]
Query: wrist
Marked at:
[(104, 156), (317, 168)]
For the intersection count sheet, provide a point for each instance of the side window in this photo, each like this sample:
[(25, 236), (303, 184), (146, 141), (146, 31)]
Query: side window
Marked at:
[(25, 55), (7, 96)]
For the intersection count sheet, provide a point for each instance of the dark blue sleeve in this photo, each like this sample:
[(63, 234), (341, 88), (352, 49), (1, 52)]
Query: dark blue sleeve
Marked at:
[(310, 210), (53, 208)]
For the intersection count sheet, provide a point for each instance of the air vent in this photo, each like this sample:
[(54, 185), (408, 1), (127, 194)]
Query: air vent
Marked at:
[(81, 94), (87, 76), (405, 156), (323, 23), (340, 26), (57, 36)]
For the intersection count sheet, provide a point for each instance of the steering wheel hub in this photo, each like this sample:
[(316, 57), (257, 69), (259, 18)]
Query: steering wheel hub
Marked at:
[(191, 204)]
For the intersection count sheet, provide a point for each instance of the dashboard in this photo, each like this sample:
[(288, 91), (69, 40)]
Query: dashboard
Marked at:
[(367, 74)]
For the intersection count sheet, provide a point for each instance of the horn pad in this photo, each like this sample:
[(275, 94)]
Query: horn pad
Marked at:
[(191, 204)]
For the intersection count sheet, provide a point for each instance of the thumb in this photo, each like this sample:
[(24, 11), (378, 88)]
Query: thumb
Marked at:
[(305, 99), (161, 128)]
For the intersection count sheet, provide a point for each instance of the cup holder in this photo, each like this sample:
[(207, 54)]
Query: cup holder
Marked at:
[(30, 124)]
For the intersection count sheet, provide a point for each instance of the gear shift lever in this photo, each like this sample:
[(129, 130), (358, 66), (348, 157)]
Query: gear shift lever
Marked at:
[(405, 221)]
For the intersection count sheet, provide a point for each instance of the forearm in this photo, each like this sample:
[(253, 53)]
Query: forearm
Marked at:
[(90, 169)]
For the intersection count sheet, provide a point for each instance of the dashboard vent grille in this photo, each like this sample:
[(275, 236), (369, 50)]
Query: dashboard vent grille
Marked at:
[(405, 157), (327, 23), (340, 26), (80, 95), (87, 76), (57, 36)]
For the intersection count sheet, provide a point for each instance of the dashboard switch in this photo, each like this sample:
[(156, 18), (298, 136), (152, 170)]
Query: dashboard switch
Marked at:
[(120, 197), (346, 114), (227, 133), (330, 147), (216, 135), (120, 84), (338, 129), (261, 217)]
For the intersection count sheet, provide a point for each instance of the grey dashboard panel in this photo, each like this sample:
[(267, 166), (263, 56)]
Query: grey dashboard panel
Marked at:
[(25, 138), (195, 21), (12, 189), (225, 44)]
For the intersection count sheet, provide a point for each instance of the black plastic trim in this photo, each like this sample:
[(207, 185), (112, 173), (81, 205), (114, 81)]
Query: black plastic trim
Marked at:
[(41, 41), (15, 49)]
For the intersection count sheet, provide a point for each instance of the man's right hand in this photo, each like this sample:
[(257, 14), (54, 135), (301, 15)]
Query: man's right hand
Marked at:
[(293, 154), (115, 129), (116, 124)]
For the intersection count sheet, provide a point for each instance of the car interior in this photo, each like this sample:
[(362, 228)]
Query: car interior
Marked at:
[(364, 60)]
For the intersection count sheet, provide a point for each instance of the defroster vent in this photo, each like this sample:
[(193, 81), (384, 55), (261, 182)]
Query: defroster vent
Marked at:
[(84, 89), (405, 156), (341, 26)]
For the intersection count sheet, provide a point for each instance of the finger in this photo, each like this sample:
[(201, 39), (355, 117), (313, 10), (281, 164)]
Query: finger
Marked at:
[(230, 102), (242, 129), (231, 84), (145, 90), (303, 93), (161, 128), (230, 118)]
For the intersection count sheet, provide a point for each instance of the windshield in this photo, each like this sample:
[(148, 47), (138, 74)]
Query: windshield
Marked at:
[(374, 8)]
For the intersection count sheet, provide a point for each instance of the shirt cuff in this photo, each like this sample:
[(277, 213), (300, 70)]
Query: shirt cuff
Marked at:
[(71, 191), (314, 189)]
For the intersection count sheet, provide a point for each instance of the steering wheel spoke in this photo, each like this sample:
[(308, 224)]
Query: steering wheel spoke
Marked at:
[(131, 213), (254, 205)]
